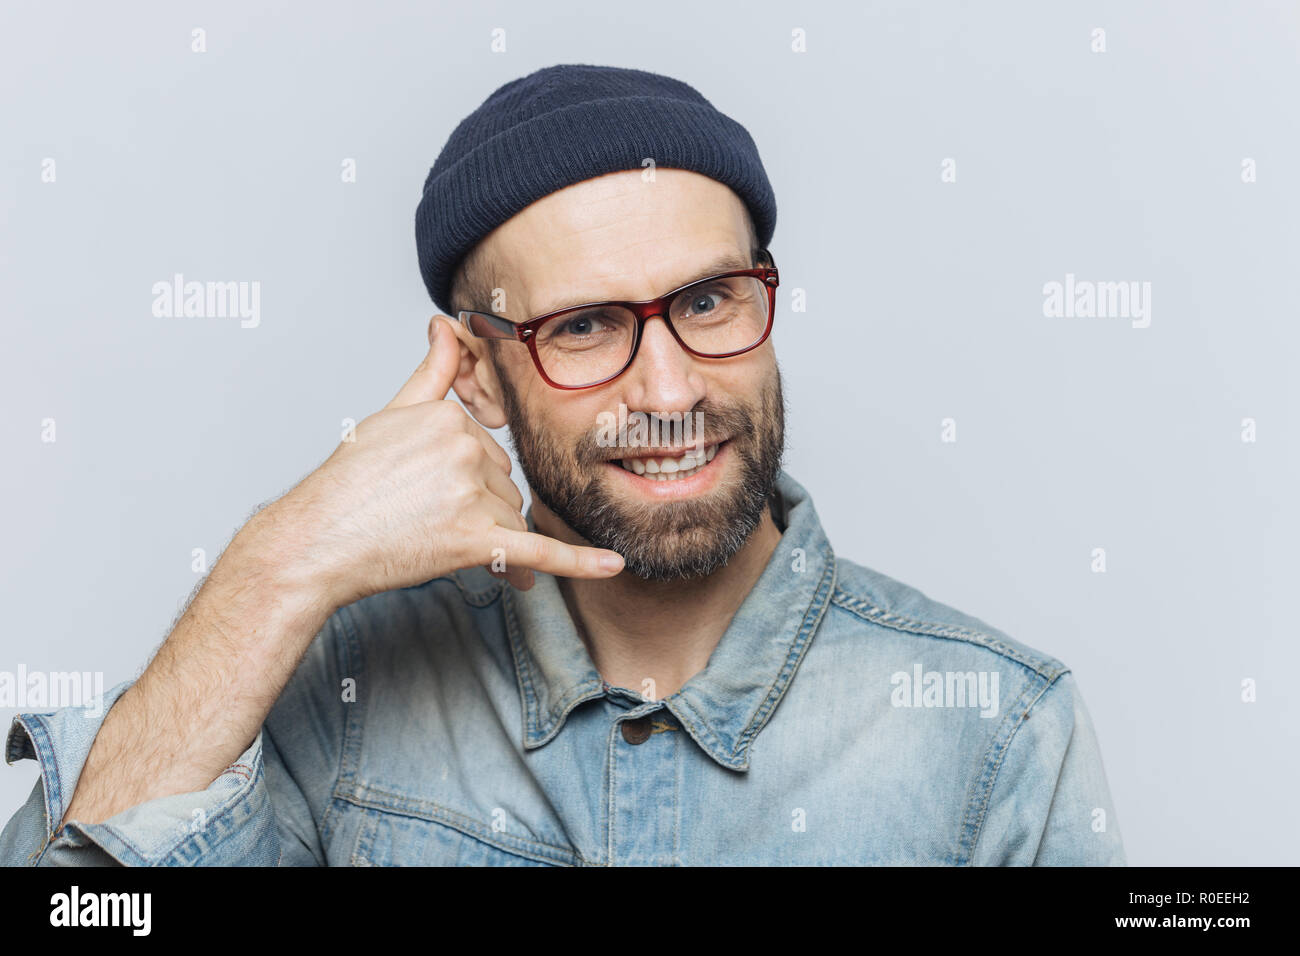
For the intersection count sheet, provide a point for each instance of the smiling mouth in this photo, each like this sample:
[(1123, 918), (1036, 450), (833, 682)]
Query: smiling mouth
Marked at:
[(667, 468)]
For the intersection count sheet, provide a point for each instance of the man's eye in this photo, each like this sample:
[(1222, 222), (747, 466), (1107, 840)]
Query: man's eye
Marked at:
[(581, 325), (702, 303)]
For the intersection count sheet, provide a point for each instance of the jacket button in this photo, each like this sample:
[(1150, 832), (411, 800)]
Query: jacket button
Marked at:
[(636, 731)]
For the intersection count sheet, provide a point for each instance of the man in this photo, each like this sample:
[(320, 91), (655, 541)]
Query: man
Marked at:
[(664, 663)]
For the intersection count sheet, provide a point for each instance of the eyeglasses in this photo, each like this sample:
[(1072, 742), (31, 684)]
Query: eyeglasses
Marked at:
[(588, 345)]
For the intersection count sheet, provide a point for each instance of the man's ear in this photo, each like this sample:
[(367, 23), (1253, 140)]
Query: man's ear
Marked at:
[(476, 382)]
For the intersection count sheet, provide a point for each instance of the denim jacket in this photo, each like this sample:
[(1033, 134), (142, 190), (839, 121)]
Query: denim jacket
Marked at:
[(843, 718)]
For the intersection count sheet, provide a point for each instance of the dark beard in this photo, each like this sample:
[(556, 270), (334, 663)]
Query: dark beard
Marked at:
[(673, 540)]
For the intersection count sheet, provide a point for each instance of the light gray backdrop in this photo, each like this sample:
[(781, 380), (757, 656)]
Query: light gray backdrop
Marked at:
[(924, 302)]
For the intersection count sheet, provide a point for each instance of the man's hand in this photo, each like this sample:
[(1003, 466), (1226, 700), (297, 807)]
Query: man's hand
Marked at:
[(424, 490)]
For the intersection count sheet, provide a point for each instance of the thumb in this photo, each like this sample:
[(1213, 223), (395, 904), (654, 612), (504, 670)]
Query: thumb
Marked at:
[(432, 379)]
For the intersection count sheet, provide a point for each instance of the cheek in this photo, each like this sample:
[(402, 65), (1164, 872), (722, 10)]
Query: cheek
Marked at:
[(566, 424), (747, 377)]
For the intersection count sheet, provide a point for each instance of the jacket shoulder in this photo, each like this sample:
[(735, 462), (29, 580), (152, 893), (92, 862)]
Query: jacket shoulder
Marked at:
[(877, 599)]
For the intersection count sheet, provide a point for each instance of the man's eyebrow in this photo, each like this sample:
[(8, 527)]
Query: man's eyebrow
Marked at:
[(726, 262)]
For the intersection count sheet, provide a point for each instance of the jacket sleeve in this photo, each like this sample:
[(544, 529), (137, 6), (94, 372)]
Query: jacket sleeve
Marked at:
[(1051, 804), (255, 813)]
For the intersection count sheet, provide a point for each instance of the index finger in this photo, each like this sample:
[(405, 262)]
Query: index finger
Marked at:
[(531, 550)]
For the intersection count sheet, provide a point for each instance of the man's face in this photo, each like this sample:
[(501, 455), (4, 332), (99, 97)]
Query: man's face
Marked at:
[(619, 237)]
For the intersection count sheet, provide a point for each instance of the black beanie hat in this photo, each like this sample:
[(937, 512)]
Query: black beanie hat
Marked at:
[(564, 124)]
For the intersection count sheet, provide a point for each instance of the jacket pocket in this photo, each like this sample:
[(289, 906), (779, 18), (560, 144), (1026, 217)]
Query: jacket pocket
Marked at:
[(385, 838)]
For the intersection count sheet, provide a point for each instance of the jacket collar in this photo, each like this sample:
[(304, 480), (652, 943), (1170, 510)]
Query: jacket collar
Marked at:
[(725, 705)]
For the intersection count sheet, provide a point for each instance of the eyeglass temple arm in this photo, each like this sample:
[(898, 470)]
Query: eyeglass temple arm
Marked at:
[(485, 325)]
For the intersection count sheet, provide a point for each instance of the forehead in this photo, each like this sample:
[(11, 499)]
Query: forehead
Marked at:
[(618, 236)]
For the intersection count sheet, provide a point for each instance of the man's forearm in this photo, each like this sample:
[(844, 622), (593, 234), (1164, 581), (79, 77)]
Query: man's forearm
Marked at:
[(202, 699)]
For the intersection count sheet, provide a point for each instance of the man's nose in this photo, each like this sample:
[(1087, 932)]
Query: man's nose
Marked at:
[(664, 377)]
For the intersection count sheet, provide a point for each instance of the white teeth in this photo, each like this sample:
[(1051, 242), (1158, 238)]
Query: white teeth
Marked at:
[(671, 469)]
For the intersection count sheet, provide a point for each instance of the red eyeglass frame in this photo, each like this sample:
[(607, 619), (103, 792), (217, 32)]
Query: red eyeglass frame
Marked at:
[(496, 327)]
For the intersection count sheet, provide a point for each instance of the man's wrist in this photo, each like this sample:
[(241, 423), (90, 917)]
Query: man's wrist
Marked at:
[(275, 553)]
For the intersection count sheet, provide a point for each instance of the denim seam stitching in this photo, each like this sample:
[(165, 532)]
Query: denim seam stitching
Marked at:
[(973, 828), (127, 848), (364, 844), (676, 856), (799, 647), (38, 734), (580, 694), (436, 813), (611, 747), (482, 598), (700, 731), (320, 839), (353, 728), (227, 806), (523, 670), (1056, 783), (872, 613), (534, 732)]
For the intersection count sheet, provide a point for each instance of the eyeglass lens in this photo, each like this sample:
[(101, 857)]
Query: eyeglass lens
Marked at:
[(713, 317)]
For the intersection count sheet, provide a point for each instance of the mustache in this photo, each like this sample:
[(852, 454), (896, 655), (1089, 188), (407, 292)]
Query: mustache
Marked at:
[(720, 423)]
